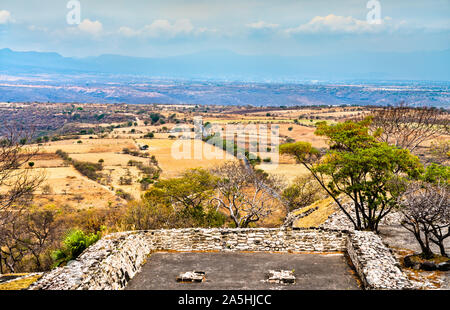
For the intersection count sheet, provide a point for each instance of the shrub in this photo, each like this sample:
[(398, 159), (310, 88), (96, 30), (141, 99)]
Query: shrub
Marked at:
[(75, 242), (437, 174), (63, 155), (124, 195), (303, 192), (88, 169)]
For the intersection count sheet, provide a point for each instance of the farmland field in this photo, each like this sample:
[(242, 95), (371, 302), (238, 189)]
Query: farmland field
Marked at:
[(162, 149)]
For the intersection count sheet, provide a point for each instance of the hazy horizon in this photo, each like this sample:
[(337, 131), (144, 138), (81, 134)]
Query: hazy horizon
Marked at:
[(113, 50), (176, 27)]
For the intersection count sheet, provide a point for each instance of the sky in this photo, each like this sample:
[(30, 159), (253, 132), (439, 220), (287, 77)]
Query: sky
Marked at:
[(250, 27)]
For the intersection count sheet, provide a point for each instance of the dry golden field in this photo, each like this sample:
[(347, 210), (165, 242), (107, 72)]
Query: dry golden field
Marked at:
[(87, 145), (66, 183), (189, 158), (302, 133), (69, 187)]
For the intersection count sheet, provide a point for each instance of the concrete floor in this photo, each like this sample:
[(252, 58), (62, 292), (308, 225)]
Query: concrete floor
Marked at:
[(244, 271)]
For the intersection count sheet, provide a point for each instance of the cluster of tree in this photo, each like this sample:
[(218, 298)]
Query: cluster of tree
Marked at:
[(87, 169), (177, 202), (303, 192), (369, 172), (234, 194), (232, 147), (150, 173), (134, 152), (370, 163), (407, 127), (42, 139), (157, 118), (37, 238)]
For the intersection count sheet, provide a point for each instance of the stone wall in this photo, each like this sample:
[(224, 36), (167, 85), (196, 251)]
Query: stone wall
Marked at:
[(374, 262), (116, 258), (107, 264), (251, 239)]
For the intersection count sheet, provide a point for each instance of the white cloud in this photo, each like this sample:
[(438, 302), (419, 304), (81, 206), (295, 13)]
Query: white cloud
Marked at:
[(338, 24), (164, 28), (91, 27), (128, 32), (262, 25), (37, 28), (5, 17)]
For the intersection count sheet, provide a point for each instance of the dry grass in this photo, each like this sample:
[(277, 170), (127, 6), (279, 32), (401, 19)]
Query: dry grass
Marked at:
[(288, 172), (110, 158), (66, 183), (302, 133), (19, 284), (326, 208), (172, 166), (88, 146)]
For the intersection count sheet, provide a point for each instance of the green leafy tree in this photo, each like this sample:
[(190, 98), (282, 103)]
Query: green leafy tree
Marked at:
[(192, 192), (437, 174), (74, 244), (369, 172)]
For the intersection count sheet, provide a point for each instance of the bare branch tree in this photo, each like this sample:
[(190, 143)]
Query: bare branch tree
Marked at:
[(426, 210), (11, 249), (245, 194), (407, 127), (17, 183)]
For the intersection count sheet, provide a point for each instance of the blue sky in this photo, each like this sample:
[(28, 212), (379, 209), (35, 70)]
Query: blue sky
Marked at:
[(175, 27)]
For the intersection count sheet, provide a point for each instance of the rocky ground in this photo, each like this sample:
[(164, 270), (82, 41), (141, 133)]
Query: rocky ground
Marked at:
[(402, 243)]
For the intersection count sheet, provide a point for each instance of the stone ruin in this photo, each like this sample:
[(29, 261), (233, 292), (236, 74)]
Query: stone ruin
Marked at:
[(112, 261), (281, 276), (192, 276)]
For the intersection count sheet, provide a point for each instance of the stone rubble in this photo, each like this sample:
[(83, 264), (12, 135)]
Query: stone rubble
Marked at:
[(281, 276), (375, 263), (192, 276), (340, 221)]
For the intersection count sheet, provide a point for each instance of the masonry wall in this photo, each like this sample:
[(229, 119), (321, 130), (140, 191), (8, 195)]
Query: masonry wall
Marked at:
[(374, 262), (116, 258), (257, 239)]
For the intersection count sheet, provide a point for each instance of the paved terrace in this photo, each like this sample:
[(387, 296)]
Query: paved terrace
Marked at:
[(244, 271)]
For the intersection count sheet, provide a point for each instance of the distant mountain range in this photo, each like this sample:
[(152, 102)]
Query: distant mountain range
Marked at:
[(432, 66), (225, 78)]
